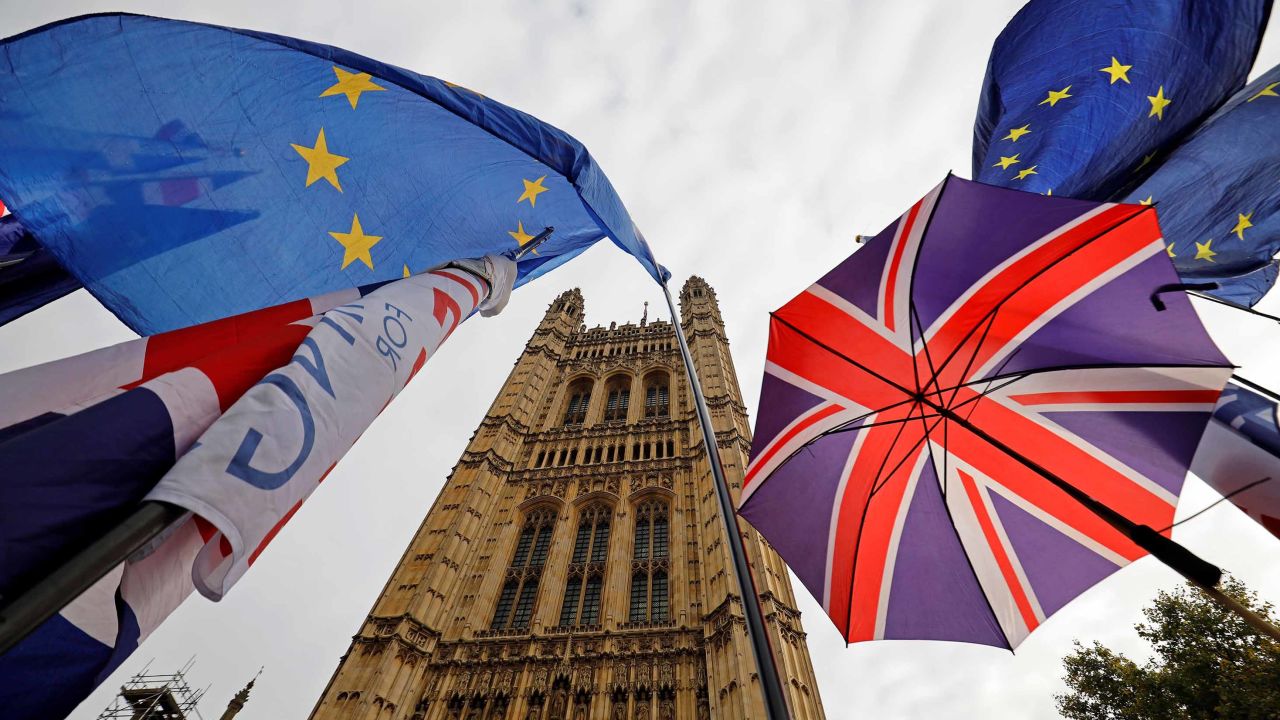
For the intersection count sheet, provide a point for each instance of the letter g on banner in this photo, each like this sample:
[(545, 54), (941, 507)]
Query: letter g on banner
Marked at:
[(241, 463)]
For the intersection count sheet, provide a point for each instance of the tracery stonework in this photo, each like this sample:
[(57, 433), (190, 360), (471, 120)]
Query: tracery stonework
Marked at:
[(573, 566)]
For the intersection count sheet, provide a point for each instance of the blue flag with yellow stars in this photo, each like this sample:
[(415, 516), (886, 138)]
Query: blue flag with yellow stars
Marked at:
[(186, 172), (1080, 97), (1218, 195)]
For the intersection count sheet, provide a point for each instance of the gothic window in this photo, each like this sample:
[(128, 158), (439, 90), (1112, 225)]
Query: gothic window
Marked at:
[(586, 567), (656, 396), (575, 411), (515, 602), (617, 398), (650, 598)]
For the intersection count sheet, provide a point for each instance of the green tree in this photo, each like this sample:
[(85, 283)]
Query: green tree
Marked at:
[(1207, 663)]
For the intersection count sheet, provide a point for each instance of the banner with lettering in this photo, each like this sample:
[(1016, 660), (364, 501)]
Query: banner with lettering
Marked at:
[(256, 465)]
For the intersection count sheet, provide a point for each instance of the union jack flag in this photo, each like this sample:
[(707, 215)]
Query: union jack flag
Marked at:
[(981, 315)]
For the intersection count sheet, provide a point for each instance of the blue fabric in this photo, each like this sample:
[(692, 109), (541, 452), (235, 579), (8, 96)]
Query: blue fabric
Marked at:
[(1103, 137), (48, 673), (67, 479), (162, 162), (1250, 414), (1218, 195)]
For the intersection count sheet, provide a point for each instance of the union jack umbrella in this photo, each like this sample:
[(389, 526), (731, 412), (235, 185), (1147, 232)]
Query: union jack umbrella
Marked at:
[(980, 414)]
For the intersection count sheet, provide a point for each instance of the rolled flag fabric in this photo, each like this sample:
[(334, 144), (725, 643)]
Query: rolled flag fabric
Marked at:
[(83, 439), (278, 168), (340, 386), (1080, 97), (1218, 195), (273, 447), (1240, 454)]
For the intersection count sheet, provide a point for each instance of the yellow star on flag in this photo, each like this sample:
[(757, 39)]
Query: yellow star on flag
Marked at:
[(320, 162), (351, 84), (1268, 91), (1150, 199), (1015, 133), (1117, 71), (1158, 103), (406, 270), (1029, 171), (1244, 221), (1056, 95), (1169, 249), (456, 86), (520, 236), (1005, 162), (356, 244), (1146, 160), (1203, 252), (532, 190)]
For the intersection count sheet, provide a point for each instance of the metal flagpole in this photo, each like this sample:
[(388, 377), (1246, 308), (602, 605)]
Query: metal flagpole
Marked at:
[(774, 700), (53, 592)]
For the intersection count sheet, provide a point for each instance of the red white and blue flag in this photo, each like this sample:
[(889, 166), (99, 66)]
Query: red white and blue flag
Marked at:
[(981, 314), (274, 397), (1240, 454)]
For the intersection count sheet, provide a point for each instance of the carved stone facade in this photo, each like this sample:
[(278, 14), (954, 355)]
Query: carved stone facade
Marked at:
[(574, 565)]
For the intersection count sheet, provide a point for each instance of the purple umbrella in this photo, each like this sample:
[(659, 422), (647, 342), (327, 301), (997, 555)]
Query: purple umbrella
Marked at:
[(980, 414)]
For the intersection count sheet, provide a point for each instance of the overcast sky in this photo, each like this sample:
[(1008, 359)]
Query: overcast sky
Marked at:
[(751, 141)]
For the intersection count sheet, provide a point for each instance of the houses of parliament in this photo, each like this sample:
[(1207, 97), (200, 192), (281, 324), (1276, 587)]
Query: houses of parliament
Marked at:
[(574, 566)]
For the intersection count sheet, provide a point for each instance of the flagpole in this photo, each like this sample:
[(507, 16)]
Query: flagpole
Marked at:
[(774, 700), (55, 591)]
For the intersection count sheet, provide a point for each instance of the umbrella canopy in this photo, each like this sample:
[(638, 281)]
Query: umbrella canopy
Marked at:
[(918, 396)]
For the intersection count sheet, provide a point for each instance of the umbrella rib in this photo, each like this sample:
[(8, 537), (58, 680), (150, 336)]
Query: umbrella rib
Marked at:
[(911, 281), (882, 478), (964, 551), (846, 426), (853, 566), (1033, 277), (842, 356), (1022, 374), (974, 357), (928, 357)]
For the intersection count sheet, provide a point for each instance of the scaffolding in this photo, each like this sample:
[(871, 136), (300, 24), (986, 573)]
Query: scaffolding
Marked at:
[(156, 697)]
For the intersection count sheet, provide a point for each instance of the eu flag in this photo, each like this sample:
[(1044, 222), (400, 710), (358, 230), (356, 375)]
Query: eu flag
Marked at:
[(186, 172), (1080, 97), (1218, 195)]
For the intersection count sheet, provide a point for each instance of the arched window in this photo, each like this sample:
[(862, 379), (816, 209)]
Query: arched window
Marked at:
[(657, 402), (650, 599), (586, 567), (618, 398), (575, 411), (515, 603)]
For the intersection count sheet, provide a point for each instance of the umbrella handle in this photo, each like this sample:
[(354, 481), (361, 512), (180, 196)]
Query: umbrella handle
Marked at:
[(1201, 573)]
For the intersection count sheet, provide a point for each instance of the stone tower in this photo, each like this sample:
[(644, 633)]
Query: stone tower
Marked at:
[(574, 565)]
